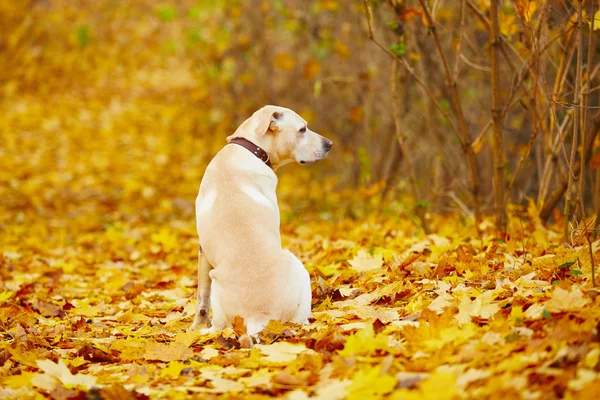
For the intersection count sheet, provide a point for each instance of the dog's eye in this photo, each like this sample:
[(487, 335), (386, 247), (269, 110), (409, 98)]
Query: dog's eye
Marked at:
[(302, 130)]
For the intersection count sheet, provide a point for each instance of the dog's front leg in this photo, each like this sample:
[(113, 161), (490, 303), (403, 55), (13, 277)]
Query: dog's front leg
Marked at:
[(203, 299)]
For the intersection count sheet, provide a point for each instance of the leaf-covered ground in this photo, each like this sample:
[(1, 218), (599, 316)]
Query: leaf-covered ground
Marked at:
[(92, 306), (103, 146)]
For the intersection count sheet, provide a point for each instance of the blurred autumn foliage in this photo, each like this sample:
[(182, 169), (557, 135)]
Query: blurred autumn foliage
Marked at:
[(184, 75), (465, 140)]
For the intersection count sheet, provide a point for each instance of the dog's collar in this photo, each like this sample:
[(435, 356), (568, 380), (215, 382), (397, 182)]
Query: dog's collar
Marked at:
[(252, 148)]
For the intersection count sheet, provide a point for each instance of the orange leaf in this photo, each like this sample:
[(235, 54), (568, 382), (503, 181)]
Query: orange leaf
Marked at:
[(341, 49), (595, 160), (311, 69), (409, 14), (284, 61), (356, 114), (238, 326)]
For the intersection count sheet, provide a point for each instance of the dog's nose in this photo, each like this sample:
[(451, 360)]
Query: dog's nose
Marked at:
[(327, 143)]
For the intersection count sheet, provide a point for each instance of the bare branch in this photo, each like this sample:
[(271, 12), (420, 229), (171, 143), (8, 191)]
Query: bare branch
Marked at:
[(497, 117), (570, 204)]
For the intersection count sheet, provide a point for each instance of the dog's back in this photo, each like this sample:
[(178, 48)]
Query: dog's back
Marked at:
[(237, 200)]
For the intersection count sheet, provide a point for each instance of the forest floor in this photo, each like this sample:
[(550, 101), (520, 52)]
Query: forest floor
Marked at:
[(100, 304)]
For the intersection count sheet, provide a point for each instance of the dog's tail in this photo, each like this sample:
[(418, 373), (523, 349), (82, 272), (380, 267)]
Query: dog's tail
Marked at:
[(246, 341), (253, 327)]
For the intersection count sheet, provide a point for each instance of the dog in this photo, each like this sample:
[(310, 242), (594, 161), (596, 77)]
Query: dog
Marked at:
[(242, 268)]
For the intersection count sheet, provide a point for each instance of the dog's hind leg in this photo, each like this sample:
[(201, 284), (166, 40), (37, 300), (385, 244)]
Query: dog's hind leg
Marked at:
[(203, 296), (219, 318)]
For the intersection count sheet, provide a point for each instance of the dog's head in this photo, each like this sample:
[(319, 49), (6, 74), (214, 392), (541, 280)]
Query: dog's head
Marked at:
[(284, 135)]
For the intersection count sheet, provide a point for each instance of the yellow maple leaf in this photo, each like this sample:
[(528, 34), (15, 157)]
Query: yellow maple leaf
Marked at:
[(187, 338), (220, 384), (209, 352), (564, 300), (77, 362), (451, 335), (5, 295), (260, 378), (527, 9), (164, 352), (481, 307), (516, 313), (369, 383), (438, 386), (364, 261), (536, 311), (364, 342), (61, 372), (21, 380), (173, 370), (281, 351), (596, 20), (131, 349), (508, 24)]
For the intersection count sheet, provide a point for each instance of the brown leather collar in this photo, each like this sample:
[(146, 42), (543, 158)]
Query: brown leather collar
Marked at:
[(252, 148)]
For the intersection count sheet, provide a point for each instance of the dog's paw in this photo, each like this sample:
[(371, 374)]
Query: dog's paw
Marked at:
[(201, 318), (207, 331), (202, 331)]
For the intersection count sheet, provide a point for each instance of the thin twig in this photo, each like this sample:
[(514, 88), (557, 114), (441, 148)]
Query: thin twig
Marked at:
[(498, 160), (459, 44), (570, 106), (586, 99), (473, 65), (461, 205), (576, 124)]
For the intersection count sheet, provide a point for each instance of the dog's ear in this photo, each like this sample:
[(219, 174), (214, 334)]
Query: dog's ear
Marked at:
[(269, 118)]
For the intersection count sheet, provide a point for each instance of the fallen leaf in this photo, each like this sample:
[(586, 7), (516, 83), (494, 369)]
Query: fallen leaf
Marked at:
[(164, 352), (173, 370), (280, 352), (60, 371), (364, 261), (364, 342), (564, 300), (370, 383)]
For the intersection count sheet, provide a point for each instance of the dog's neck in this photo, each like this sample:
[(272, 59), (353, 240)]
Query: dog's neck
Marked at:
[(253, 148)]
